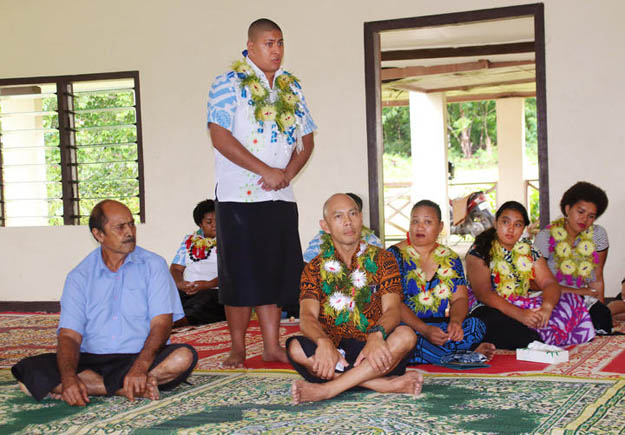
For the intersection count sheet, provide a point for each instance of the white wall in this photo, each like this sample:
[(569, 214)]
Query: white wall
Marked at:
[(179, 47)]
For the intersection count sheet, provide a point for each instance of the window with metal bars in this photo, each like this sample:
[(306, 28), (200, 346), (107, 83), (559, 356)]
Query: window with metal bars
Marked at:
[(66, 143)]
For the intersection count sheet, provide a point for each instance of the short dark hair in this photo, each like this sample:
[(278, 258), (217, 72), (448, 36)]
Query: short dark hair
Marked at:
[(584, 191), (261, 25), (428, 203), (356, 199), (97, 218), (201, 209)]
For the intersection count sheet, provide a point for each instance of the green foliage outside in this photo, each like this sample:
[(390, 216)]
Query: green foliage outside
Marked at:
[(472, 126), (474, 122), (472, 138), (106, 152), (396, 130)]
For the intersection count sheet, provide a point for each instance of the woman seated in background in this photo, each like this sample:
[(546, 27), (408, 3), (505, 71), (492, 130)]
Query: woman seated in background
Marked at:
[(433, 283), (576, 249), (500, 267), (194, 270)]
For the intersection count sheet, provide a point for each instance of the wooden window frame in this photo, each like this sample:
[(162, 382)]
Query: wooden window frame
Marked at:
[(69, 164), (373, 108)]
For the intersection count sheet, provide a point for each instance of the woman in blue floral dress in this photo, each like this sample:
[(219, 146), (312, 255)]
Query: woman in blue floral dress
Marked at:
[(435, 291)]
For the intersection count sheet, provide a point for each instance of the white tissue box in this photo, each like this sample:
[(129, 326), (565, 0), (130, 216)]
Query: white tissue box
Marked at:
[(544, 353)]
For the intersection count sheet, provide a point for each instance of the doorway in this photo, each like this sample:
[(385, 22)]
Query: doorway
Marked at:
[(484, 55)]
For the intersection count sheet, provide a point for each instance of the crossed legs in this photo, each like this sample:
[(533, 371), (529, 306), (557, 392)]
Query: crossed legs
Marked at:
[(172, 368), (401, 341)]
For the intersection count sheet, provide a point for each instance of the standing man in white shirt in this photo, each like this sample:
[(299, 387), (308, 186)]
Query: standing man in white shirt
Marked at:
[(262, 132)]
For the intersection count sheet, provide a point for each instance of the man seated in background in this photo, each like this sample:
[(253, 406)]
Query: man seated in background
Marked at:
[(194, 269), (349, 315), (116, 316), (314, 246)]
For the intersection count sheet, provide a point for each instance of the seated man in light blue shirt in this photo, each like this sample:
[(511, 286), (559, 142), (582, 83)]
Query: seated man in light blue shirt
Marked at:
[(117, 309), (314, 246)]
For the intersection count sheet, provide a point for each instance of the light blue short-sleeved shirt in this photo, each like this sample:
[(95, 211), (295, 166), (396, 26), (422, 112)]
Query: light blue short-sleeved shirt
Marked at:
[(112, 310), (231, 107)]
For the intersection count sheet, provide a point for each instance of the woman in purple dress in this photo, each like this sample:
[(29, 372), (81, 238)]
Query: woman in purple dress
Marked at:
[(500, 267), (576, 249)]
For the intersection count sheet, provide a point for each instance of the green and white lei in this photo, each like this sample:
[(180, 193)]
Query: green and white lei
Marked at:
[(282, 111), (347, 293)]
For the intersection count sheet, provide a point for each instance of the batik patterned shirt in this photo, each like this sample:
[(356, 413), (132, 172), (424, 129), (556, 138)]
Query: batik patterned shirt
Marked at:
[(385, 281)]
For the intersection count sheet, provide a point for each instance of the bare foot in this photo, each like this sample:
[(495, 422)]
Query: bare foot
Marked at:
[(408, 383), (303, 391), (234, 360), (278, 354), (55, 396), (486, 349), (151, 389)]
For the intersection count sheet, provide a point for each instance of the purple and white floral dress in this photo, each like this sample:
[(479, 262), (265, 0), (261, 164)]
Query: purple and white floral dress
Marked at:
[(570, 322)]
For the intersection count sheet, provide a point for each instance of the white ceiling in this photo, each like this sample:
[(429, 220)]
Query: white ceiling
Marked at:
[(459, 35), (482, 81)]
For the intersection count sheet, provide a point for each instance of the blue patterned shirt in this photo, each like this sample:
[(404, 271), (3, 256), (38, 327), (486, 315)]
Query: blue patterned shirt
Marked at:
[(232, 108)]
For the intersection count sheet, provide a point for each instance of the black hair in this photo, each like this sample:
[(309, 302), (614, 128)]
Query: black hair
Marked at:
[(428, 203), (484, 240), (200, 210), (584, 191), (97, 218), (261, 25), (356, 199)]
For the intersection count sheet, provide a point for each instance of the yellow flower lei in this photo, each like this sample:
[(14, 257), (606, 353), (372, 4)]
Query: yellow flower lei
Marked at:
[(574, 264), (512, 279), (430, 300), (282, 111)]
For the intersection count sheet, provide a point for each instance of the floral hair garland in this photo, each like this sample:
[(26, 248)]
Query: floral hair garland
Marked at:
[(200, 247), (512, 278), (575, 265), (431, 300), (282, 111), (347, 293)]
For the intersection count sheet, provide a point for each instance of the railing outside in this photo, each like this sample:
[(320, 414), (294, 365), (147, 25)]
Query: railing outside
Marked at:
[(397, 203)]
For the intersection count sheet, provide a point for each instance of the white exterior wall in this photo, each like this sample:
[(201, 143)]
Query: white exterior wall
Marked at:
[(179, 47)]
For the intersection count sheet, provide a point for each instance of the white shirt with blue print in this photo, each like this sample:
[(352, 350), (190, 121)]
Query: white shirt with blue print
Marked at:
[(231, 107)]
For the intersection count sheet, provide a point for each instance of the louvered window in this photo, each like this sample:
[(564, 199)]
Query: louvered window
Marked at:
[(66, 143)]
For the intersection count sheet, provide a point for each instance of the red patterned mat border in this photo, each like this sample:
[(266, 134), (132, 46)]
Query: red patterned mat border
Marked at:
[(26, 334)]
